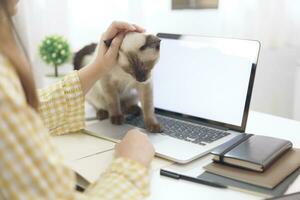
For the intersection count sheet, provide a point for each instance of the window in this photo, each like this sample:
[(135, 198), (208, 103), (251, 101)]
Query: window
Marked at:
[(194, 4)]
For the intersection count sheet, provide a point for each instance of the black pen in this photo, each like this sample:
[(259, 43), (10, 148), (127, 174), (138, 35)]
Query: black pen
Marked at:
[(108, 42), (189, 178)]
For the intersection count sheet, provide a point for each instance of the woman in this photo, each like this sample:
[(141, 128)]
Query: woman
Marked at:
[(30, 166)]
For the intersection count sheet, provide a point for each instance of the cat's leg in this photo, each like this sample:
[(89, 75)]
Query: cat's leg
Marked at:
[(102, 114), (96, 99), (146, 97), (129, 103), (113, 104)]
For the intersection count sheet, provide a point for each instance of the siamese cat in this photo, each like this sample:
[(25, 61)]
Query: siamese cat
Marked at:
[(129, 82)]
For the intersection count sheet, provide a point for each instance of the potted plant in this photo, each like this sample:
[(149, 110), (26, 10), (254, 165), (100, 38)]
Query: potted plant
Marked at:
[(55, 51)]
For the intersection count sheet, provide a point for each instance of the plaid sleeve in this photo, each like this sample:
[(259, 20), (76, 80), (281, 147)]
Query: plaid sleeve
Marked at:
[(31, 168), (62, 105), (125, 179)]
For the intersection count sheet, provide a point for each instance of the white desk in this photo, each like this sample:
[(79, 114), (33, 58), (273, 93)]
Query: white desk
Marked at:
[(89, 156)]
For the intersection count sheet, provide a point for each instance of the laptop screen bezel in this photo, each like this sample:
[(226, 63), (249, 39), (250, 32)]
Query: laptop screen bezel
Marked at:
[(226, 126)]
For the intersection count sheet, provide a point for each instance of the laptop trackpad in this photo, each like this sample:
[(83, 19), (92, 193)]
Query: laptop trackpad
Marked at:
[(105, 129)]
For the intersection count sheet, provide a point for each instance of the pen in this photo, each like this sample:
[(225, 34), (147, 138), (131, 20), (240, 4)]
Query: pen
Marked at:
[(192, 179), (108, 42)]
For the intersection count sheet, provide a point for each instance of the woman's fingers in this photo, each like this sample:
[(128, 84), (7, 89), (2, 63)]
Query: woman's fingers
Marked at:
[(117, 27), (138, 28), (106, 55), (136, 146), (101, 45), (115, 45)]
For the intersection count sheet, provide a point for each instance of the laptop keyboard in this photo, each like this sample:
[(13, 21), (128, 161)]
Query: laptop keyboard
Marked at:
[(182, 130)]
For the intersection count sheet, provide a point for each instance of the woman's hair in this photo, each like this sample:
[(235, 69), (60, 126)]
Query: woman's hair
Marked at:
[(24, 74)]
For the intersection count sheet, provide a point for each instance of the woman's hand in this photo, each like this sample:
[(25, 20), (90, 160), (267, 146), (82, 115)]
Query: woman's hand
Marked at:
[(136, 146), (105, 57)]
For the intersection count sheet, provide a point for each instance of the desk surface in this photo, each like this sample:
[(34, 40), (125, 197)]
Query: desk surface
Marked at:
[(90, 155)]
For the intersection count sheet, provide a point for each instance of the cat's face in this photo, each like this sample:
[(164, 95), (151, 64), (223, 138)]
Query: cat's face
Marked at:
[(138, 54)]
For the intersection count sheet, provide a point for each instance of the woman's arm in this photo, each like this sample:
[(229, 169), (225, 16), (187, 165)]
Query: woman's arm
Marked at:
[(62, 104), (32, 169)]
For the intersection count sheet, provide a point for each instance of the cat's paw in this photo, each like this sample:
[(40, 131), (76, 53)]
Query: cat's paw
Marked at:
[(154, 127), (117, 119), (134, 110), (102, 114)]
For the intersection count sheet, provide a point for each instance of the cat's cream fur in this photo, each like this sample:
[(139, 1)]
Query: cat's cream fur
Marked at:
[(129, 82)]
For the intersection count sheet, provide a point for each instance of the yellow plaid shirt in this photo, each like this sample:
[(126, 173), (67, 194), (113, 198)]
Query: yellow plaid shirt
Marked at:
[(30, 166)]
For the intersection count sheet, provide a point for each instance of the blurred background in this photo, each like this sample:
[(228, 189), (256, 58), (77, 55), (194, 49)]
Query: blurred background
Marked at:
[(276, 24)]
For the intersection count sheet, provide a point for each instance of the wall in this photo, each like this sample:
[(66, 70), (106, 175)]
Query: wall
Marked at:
[(296, 111), (274, 88), (35, 20), (88, 19)]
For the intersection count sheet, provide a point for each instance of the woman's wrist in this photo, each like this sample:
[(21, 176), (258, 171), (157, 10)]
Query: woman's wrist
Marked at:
[(89, 74), (97, 69)]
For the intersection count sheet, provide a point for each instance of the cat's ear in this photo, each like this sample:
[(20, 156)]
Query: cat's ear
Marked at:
[(151, 42)]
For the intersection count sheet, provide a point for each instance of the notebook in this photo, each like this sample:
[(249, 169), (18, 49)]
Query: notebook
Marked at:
[(254, 152), (279, 190), (270, 178)]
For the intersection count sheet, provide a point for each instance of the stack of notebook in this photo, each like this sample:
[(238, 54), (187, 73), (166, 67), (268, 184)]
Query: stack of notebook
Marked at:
[(260, 164)]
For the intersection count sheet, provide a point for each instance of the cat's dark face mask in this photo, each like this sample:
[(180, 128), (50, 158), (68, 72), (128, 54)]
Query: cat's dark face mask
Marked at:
[(142, 61)]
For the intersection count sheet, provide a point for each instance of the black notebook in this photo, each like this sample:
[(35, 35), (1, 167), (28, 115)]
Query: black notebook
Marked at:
[(254, 152)]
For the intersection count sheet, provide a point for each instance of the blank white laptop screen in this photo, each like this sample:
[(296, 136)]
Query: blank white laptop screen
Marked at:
[(204, 77)]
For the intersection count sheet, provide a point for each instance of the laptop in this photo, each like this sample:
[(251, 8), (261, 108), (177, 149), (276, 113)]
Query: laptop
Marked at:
[(202, 92)]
